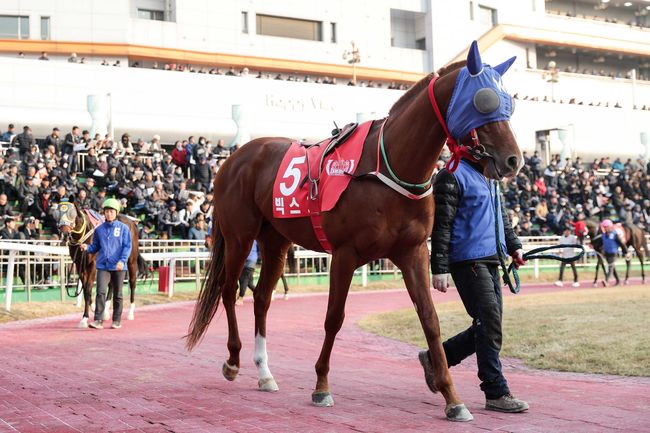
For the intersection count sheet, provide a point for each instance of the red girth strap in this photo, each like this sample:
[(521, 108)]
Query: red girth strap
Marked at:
[(458, 151)]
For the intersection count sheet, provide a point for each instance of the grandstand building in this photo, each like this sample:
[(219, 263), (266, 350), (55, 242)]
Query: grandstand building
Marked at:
[(180, 67)]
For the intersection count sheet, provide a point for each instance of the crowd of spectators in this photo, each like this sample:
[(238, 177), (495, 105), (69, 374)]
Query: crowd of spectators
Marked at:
[(169, 192), (545, 200)]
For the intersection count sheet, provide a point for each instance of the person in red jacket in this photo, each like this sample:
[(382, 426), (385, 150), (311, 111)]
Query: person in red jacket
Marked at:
[(580, 228), (179, 155)]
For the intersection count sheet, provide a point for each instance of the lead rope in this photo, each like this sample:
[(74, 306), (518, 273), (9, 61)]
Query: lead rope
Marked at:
[(532, 254)]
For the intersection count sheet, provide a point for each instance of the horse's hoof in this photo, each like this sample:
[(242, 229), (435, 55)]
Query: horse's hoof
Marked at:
[(594, 284), (322, 399), (131, 315), (458, 413), (229, 372), (83, 323), (268, 384), (425, 361), (626, 282)]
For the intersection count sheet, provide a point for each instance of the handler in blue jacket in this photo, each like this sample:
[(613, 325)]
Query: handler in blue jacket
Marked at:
[(468, 214), (112, 243)]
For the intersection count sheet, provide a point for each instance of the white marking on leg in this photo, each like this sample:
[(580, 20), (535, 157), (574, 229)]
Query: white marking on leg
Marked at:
[(261, 358), (131, 315)]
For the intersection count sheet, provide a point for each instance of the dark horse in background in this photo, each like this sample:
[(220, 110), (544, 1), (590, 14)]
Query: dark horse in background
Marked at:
[(370, 221), (634, 238), (76, 228)]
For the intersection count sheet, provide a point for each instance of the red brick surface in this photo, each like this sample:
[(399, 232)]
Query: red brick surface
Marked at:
[(56, 378)]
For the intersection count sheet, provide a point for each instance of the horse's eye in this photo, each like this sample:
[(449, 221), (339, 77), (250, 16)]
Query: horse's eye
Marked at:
[(486, 100)]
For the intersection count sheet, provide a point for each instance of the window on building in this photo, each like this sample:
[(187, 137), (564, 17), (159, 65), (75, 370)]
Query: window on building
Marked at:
[(244, 22), (487, 16), (407, 29), (333, 33), (14, 27), (150, 14), (45, 28), (289, 27)]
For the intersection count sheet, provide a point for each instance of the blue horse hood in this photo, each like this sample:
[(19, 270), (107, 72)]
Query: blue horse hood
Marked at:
[(479, 96)]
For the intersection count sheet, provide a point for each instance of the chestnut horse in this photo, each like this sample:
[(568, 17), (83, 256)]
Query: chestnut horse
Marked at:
[(370, 221), (76, 229), (634, 237)]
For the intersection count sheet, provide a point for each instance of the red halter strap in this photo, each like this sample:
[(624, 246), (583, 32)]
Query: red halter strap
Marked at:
[(458, 151)]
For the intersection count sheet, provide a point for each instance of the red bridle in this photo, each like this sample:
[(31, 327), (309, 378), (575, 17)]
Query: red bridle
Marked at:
[(458, 151)]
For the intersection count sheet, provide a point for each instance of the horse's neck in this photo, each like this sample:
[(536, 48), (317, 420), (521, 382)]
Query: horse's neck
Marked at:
[(80, 228), (413, 140)]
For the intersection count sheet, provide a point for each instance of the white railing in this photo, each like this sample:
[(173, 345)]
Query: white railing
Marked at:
[(38, 262)]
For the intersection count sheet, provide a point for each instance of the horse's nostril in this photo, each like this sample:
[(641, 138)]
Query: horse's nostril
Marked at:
[(513, 162)]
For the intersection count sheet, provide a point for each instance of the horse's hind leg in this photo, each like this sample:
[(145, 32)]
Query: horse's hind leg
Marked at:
[(344, 262), (273, 248), (415, 268), (133, 279), (236, 252)]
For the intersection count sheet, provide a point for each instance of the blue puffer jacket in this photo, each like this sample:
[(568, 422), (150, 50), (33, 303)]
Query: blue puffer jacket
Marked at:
[(464, 225), (112, 242), (611, 242)]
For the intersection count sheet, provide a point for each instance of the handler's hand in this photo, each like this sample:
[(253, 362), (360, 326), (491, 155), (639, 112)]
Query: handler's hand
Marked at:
[(83, 247), (441, 282), (518, 258), (119, 266)]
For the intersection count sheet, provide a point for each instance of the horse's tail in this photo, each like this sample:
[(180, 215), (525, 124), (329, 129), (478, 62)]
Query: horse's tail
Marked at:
[(210, 293), (143, 268)]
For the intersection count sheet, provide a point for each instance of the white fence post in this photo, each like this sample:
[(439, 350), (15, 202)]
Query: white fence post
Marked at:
[(10, 280), (364, 275), (536, 268), (172, 274)]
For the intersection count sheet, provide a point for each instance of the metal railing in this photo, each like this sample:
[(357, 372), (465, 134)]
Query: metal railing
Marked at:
[(43, 270)]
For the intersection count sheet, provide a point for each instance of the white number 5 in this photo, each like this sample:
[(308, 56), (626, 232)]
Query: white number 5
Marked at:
[(292, 171)]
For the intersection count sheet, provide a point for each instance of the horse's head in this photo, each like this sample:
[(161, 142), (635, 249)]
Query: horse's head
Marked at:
[(478, 117), (65, 214)]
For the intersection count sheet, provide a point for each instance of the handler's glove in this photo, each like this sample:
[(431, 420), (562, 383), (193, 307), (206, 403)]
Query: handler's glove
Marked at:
[(441, 282), (518, 258)]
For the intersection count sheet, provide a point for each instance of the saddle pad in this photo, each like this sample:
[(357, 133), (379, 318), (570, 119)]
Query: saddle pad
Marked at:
[(291, 195), (94, 218)]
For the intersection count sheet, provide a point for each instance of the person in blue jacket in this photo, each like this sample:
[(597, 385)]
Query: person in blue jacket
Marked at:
[(611, 242), (112, 243), (471, 235)]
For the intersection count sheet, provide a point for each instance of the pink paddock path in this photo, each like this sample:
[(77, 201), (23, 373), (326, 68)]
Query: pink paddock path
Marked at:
[(56, 378)]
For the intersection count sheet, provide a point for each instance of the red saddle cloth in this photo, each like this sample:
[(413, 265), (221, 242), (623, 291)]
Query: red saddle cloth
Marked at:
[(291, 193)]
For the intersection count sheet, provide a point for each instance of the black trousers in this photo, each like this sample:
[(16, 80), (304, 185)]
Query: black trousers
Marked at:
[(116, 279), (611, 267), (573, 268), (246, 280), (479, 286)]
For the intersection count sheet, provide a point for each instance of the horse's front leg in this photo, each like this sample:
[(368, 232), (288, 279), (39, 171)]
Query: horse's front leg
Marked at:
[(599, 263), (87, 279), (415, 269), (344, 262)]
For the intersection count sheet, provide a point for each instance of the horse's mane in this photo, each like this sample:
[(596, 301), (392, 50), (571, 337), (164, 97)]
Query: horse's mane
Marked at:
[(417, 87)]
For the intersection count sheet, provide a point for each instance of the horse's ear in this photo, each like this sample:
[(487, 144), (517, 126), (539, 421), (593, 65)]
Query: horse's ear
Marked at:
[(474, 62), (503, 67)]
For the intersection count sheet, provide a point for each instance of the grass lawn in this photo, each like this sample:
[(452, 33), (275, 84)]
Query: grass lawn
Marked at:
[(593, 331)]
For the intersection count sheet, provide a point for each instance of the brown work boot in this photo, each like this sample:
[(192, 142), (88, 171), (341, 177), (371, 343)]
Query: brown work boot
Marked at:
[(506, 403)]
